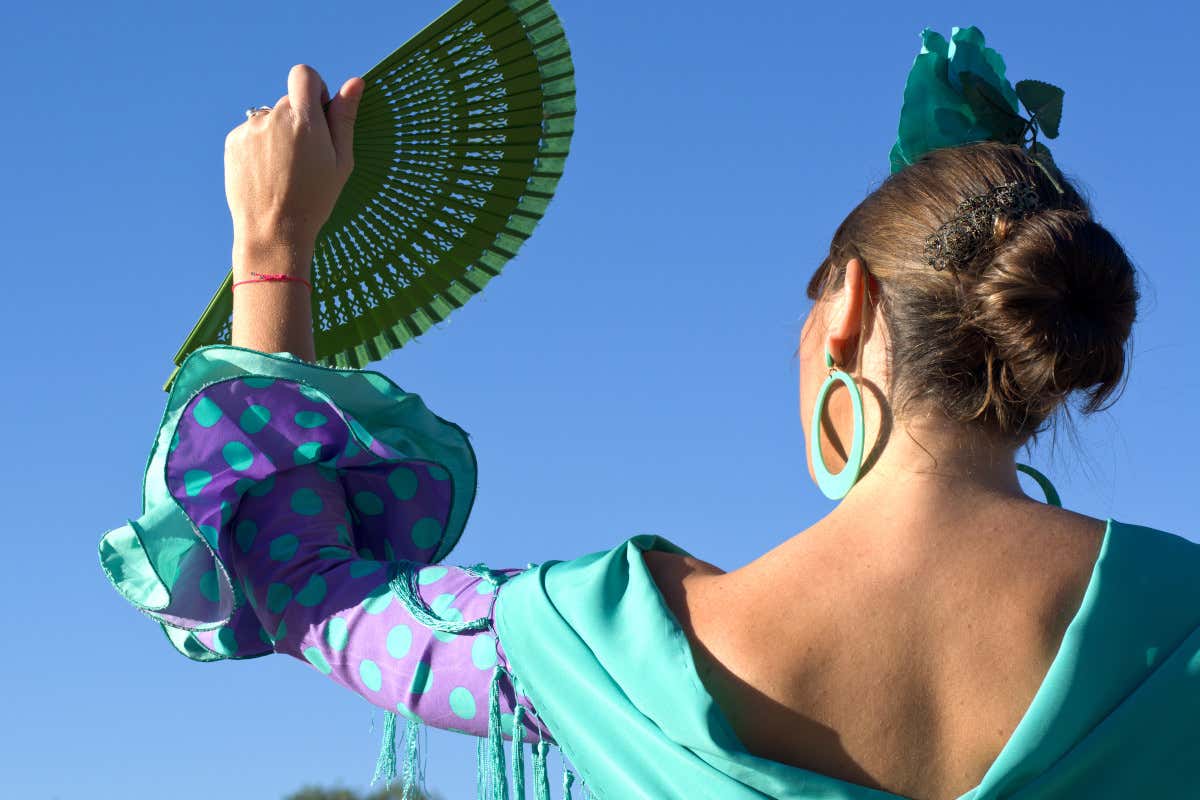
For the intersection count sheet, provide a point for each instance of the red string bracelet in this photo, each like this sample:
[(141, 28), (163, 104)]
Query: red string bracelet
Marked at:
[(261, 277)]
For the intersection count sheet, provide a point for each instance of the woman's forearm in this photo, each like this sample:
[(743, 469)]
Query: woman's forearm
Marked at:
[(273, 316)]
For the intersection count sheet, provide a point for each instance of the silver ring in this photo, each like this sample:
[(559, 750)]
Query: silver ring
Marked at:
[(250, 112)]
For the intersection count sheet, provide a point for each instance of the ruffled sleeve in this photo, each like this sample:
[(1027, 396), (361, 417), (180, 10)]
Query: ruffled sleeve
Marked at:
[(234, 420)]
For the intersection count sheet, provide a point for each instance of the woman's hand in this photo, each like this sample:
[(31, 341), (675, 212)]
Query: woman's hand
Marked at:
[(285, 168)]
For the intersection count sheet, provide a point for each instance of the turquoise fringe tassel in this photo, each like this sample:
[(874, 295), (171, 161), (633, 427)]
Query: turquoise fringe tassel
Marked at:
[(541, 779), (499, 783), (568, 779), (404, 586), (411, 735), (481, 769), (484, 571), (385, 765), (518, 756)]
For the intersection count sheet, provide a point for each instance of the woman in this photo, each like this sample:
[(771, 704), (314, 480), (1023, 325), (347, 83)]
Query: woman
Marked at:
[(944, 635)]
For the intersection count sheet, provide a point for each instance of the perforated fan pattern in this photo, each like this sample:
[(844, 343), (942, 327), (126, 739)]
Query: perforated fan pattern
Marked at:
[(460, 141)]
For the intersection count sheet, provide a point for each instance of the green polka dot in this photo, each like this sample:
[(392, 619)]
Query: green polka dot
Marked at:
[(426, 532), (209, 533), (258, 383), (225, 642), (388, 552), (278, 596), (328, 474), (352, 449), (254, 419), (209, 587), (245, 533), (399, 640), (406, 712), (317, 659), (403, 483), (431, 575), (237, 456), (226, 511), (441, 604), (307, 453), (366, 554), (194, 481), (263, 488), (283, 548), (174, 442), (307, 502), (241, 485), (310, 419), (337, 633), (362, 433), (378, 600), (335, 552), (438, 473), (363, 567), (484, 587), (422, 679), (462, 702), (483, 651), (343, 534), (206, 413), (371, 676), (368, 503), (313, 592), (266, 637)]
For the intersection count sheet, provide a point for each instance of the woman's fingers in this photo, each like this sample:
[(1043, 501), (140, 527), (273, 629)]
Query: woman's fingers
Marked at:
[(342, 112), (304, 92)]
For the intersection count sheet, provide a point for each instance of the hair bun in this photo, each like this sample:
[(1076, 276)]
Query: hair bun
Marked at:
[(1057, 302)]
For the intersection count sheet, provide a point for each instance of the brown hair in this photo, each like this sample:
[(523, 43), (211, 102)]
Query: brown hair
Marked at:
[(1041, 310)]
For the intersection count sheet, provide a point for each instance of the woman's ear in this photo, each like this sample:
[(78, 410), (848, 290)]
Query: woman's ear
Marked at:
[(845, 316)]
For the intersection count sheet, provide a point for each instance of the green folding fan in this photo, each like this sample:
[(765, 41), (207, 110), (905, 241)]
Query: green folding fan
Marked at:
[(459, 144)]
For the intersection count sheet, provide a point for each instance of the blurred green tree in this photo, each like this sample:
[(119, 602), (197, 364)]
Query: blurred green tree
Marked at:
[(395, 792)]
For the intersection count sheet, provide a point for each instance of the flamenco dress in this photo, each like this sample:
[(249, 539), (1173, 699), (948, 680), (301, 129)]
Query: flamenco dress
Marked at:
[(297, 509)]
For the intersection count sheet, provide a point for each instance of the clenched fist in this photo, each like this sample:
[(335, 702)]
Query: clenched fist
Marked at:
[(285, 168)]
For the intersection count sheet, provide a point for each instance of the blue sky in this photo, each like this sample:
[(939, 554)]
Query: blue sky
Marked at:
[(631, 371)]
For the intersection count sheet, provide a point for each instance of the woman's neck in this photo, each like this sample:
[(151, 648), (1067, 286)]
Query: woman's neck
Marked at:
[(933, 484)]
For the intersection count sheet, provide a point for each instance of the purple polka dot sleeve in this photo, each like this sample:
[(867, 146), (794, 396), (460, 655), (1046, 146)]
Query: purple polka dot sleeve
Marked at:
[(313, 550)]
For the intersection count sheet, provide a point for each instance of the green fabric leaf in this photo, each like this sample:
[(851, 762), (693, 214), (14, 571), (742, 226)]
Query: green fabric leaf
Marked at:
[(992, 110), (1044, 101)]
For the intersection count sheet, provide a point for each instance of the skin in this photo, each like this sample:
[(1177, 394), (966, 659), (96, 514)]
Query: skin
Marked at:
[(895, 643), (922, 612), (284, 171)]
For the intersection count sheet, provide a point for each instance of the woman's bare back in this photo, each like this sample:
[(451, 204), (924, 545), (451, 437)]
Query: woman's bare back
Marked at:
[(906, 672)]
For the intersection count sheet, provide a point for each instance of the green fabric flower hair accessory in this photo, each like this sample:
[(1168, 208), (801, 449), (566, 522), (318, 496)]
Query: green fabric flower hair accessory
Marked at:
[(957, 93)]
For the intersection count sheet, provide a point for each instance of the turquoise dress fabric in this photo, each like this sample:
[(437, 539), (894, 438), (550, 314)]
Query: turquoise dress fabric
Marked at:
[(611, 673), (587, 648)]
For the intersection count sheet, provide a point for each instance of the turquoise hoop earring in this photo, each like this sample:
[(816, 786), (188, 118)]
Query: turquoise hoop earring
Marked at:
[(835, 487)]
